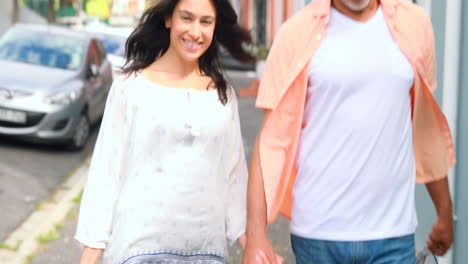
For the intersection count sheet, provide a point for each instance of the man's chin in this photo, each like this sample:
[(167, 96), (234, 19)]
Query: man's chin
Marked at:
[(356, 7)]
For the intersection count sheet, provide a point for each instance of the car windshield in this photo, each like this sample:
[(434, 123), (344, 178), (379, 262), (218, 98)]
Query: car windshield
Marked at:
[(39, 48), (114, 45)]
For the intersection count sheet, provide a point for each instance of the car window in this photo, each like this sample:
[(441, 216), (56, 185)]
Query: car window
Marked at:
[(41, 48), (102, 50), (114, 45)]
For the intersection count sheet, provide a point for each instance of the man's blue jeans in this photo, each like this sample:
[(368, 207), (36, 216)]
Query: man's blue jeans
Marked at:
[(399, 250)]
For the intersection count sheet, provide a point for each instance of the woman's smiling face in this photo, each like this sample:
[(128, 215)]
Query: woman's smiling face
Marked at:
[(192, 27)]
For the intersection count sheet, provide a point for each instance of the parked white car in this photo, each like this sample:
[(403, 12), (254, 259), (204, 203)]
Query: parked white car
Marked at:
[(113, 40), (54, 84)]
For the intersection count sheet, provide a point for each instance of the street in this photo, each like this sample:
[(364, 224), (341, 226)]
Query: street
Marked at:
[(29, 173), (33, 172)]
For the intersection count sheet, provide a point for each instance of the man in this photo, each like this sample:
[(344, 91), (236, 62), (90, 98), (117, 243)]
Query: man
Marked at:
[(350, 125)]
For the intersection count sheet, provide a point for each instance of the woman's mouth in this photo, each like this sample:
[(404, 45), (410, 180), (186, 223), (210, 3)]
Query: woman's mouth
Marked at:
[(190, 45)]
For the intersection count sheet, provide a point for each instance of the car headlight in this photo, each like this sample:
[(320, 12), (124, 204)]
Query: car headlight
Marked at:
[(63, 98)]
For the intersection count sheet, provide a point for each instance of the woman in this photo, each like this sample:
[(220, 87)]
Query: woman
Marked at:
[(167, 182)]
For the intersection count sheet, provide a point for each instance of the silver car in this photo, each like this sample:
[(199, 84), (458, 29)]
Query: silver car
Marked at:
[(54, 84)]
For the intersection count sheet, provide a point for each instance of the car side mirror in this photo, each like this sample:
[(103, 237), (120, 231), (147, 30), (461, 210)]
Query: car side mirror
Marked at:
[(92, 71)]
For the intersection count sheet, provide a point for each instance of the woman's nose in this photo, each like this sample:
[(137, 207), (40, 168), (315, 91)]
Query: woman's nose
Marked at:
[(195, 30)]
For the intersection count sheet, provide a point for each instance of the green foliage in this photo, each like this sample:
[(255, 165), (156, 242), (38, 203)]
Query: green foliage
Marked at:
[(77, 199), (49, 237), (30, 257), (59, 226), (11, 248), (262, 52)]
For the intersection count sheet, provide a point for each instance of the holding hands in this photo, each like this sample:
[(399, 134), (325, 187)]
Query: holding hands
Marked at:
[(258, 250)]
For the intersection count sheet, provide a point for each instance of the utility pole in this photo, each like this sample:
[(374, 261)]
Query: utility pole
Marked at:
[(79, 7), (51, 12), (79, 13), (15, 13)]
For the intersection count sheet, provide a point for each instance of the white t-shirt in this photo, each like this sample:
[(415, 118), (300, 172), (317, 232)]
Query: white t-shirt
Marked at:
[(168, 176), (356, 177)]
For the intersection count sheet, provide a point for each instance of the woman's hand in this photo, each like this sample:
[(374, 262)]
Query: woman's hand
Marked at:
[(90, 255)]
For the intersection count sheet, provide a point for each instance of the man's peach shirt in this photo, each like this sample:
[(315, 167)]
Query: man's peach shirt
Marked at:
[(284, 84)]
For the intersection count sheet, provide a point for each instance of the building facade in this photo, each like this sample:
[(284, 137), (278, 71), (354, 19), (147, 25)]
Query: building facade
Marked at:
[(23, 15), (265, 17), (6, 15), (450, 21)]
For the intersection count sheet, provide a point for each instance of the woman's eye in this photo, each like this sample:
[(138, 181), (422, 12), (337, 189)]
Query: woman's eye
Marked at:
[(207, 22), (186, 18)]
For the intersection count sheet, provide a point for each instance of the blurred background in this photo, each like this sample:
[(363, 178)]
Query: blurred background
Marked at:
[(57, 61)]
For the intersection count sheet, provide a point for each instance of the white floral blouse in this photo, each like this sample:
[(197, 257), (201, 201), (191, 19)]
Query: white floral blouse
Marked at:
[(168, 177)]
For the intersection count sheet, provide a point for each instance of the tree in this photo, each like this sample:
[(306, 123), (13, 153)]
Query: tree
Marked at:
[(51, 12)]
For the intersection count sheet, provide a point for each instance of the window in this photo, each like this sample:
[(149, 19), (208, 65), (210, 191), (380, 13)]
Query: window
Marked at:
[(102, 49), (46, 49)]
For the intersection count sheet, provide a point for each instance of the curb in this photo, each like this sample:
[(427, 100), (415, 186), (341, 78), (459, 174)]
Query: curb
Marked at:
[(23, 241)]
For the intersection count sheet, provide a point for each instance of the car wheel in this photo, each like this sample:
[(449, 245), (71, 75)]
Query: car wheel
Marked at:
[(81, 134)]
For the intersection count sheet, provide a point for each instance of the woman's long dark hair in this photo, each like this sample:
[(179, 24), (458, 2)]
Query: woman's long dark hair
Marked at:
[(151, 39)]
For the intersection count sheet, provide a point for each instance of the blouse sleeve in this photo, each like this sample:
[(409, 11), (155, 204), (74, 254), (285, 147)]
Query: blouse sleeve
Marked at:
[(236, 165), (99, 196)]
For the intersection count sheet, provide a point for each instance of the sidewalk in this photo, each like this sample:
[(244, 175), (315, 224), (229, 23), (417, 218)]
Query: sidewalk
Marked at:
[(42, 225), (66, 250), (60, 248)]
